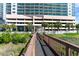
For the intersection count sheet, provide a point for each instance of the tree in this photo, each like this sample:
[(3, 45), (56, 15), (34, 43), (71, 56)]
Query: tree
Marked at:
[(12, 26), (68, 26), (30, 27), (44, 25), (58, 25), (77, 27), (1, 27), (52, 25), (6, 27), (72, 26), (49, 25)]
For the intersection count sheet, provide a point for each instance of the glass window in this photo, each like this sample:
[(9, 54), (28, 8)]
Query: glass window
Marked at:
[(13, 8), (13, 12), (14, 5)]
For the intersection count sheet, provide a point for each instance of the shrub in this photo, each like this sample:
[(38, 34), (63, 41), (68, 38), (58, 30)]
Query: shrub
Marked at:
[(22, 39), (15, 38), (1, 39), (19, 38), (6, 37)]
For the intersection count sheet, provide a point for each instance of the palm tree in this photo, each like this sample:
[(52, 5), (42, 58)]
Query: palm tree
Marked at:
[(48, 25), (1, 25), (30, 27), (77, 28), (72, 26), (44, 25), (52, 25), (6, 27), (12, 26), (58, 25), (68, 26)]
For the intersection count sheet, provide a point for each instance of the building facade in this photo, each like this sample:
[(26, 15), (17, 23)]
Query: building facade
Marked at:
[(1, 14), (21, 14), (1, 10)]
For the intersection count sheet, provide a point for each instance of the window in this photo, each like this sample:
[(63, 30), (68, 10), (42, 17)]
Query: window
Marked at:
[(13, 12), (14, 5), (20, 19), (13, 8), (20, 22)]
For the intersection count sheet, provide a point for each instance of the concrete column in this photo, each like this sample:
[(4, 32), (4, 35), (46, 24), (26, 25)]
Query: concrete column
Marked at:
[(16, 25), (33, 24)]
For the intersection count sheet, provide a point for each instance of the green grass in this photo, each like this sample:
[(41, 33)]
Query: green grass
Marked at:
[(71, 37)]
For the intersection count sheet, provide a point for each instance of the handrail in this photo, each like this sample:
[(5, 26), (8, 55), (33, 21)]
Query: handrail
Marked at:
[(65, 43), (31, 47), (61, 47), (24, 49)]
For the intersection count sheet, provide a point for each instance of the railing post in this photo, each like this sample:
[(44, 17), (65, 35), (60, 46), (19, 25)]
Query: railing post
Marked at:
[(67, 51)]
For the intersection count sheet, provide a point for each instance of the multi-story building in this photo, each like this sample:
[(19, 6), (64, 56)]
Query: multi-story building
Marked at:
[(1, 10), (21, 14), (1, 13)]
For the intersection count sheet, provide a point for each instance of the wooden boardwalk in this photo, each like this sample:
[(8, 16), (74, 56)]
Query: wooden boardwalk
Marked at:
[(44, 45), (38, 47)]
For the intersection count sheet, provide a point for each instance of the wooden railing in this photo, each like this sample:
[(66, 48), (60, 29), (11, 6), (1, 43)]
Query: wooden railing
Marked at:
[(60, 47), (22, 53), (31, 47), (24, 49)]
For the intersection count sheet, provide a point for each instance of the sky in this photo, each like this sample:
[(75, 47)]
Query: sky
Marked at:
[(42, 1), (77, 12)]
